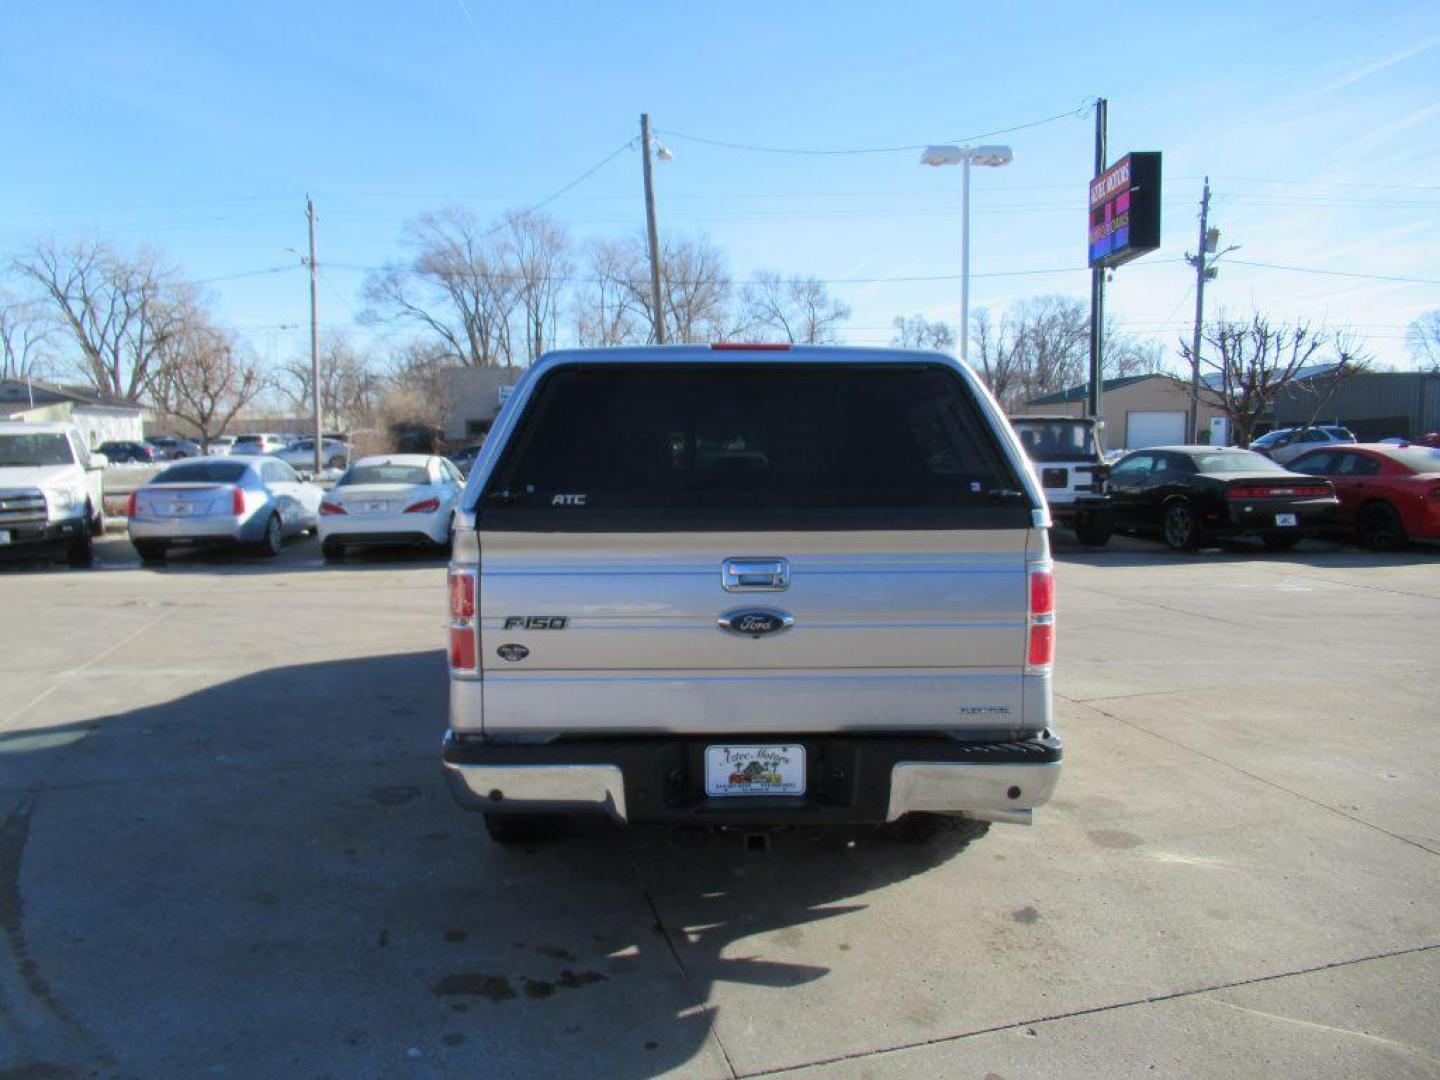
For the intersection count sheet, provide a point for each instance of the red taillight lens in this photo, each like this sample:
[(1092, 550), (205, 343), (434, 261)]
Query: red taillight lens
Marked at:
[(1302, 491), (237, 501), (1042, 644), (130, 504), (328, 509), (429, 506), (463, 631), (1042, 592), (462, 648), (462, 594)]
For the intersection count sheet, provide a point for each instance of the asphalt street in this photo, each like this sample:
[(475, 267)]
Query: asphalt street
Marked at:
[(226, 850)]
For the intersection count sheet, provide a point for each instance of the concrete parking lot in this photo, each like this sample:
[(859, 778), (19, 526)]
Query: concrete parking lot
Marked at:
[(226, 850)]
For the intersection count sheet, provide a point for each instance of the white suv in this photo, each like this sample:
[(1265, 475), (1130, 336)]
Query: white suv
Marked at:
[(1286, 444), (751, 586), (50, 489)]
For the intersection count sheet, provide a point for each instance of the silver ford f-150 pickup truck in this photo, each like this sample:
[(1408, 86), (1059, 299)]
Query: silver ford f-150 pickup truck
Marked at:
[(751, 586)]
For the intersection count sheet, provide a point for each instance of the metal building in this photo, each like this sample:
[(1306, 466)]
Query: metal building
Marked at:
[(1373, 404)]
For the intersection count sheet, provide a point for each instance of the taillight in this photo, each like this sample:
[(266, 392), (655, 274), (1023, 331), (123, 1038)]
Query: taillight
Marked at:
[(237, 502), (130, 504), (328, 509), (464, 629), (462, 594), (1040, 621), (429, 506), (1303, 491)]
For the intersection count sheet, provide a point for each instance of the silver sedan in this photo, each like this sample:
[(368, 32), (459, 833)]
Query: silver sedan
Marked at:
[(252, 501)]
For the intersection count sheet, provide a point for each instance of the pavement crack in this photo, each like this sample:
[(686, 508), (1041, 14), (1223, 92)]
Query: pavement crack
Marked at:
[(1364, 1036), (1163, 607), (679, 961), (1247, 773), (116, 647), (1153, 999), (14, 836)]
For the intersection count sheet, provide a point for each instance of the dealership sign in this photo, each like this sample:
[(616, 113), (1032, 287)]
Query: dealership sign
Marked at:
[(1125, 210)]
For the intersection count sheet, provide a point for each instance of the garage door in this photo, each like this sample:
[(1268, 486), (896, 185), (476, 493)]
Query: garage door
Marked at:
[(1144, 429)]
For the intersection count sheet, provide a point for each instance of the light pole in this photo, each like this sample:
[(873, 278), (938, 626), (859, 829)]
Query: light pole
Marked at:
[(993, 156)]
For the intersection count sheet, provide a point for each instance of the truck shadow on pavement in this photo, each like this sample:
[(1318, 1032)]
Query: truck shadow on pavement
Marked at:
[(266, 876)]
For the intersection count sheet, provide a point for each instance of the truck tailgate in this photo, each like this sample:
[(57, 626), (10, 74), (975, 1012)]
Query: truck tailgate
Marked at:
[(904, 630)]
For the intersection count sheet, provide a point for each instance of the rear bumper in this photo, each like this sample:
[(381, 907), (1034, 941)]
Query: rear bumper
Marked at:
[(1257, 517), (860, 779), (1067, 510), (200, 529), (399, 529)]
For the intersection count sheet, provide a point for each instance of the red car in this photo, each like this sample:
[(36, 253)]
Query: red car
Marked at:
[(1389, 492)]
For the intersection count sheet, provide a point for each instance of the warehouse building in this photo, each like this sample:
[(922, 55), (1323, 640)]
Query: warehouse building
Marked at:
[(1139, 410)]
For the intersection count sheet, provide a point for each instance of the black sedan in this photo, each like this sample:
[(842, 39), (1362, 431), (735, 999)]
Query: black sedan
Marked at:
[(1191, 494), (128, 453)]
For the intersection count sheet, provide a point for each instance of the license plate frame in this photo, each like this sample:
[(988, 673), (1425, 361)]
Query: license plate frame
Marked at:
[(1287, 521), (750, 769)]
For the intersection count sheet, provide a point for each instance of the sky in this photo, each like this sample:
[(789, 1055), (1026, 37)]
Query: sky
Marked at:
[(198, 129)]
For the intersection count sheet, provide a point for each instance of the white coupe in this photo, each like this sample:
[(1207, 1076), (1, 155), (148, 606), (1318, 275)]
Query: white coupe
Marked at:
[(394, 499)]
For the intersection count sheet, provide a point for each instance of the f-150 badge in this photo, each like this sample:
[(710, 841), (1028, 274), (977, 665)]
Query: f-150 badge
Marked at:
[(536, 622)]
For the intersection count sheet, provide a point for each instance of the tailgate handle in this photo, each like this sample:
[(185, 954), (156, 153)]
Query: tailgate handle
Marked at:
[(755, 575)]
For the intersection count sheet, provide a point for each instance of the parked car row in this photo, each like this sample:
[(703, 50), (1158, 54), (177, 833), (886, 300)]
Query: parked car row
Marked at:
[(260, 501), (1307, 482)]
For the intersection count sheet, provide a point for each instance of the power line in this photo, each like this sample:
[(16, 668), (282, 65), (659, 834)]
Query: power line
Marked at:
[(573, 183), (244, 274), (573, 279), (1081, 111), (1337, 273)]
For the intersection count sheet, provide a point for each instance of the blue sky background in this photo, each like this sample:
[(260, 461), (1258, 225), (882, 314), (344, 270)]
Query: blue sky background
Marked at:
[(198, 128)]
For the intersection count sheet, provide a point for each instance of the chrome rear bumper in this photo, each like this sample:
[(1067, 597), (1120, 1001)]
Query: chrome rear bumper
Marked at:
[(525, 788), (1004, 785)]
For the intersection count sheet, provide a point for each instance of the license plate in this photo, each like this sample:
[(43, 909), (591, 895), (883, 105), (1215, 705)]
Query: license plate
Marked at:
[(755, 770), (181, 509), (376, 507), (1286, 519), (4, 536)]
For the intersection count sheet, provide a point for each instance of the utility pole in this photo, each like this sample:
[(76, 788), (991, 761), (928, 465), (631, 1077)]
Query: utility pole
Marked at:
[(314, 335), (1097, 285), (652, 234), (1198, 261)]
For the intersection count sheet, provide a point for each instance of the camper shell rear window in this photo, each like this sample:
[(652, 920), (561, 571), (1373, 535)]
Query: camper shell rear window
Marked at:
[(657, 447)]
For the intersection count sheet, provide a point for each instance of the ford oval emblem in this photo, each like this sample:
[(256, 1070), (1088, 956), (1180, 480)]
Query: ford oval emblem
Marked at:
[(512, 652), (755, 622)]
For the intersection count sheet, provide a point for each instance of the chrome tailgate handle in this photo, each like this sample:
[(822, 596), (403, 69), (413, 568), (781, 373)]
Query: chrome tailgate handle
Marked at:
[(755, 575)]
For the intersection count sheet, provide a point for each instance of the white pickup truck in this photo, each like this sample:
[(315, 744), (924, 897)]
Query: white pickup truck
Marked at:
[(751, 586), (50, 490)]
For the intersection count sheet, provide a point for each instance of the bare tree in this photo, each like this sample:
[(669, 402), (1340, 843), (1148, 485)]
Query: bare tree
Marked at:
[(1423, 339), (607, 310), (346, 384), (537, 260), (918, 332), (694, 289), (1255, 362), (456, 289), (27, 335), (798, 310), (997, 352), (202, 377), (118, 309)]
